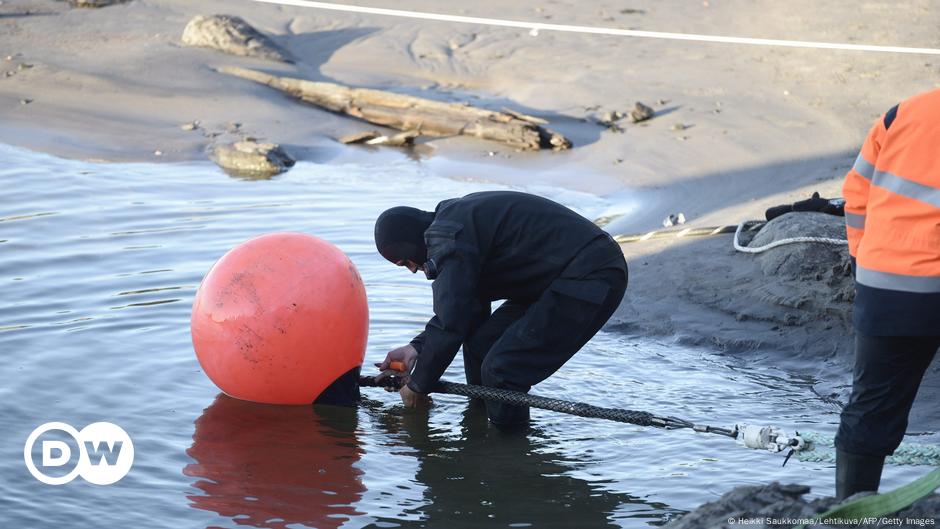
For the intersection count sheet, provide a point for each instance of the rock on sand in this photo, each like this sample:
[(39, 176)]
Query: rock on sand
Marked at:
[(765, 503), (812, 262), (251, 159), (231, 34), (802, 260)]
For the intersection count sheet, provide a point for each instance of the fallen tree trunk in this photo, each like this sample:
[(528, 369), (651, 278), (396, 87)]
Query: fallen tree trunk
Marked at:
[(408, 113)]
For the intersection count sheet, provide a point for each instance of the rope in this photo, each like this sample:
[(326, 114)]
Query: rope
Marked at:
[(686, 232), (823, 451), (535, 27), (737, 229), (781, 242)]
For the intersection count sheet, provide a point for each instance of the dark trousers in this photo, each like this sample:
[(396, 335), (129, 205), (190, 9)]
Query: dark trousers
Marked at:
[(522, 344), (888, 372)]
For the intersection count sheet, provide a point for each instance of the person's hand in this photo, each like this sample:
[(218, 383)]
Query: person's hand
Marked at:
[(412, 399), (407, 355)]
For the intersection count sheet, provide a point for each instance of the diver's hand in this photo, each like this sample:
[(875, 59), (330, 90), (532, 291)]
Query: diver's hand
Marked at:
[(407, 355), (413, 399)]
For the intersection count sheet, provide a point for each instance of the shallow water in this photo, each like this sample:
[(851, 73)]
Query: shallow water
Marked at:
[(98, 267)]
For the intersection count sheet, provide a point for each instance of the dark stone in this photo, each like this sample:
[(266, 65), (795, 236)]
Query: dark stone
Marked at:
[(641, 112), (765, 503)]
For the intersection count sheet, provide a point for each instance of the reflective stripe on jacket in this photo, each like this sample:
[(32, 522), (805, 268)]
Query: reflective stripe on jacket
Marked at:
[(892, 211)]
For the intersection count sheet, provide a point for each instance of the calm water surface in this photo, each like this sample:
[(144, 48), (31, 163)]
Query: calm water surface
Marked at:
[(98, 267)]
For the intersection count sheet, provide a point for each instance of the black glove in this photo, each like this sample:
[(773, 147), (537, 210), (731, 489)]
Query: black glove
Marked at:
[(835, 206)]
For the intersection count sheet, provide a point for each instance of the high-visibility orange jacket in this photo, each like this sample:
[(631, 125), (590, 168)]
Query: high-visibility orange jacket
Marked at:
[(892, 215)]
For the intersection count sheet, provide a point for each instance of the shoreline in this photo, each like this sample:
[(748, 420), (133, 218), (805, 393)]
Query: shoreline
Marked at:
[(736, 130)]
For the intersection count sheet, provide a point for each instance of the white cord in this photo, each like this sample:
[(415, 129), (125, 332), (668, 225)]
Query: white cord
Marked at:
[(781, 242), (535, 27)]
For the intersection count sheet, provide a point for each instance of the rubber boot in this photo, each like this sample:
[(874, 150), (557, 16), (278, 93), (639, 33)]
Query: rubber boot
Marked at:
[(507, 418), (855, 473)]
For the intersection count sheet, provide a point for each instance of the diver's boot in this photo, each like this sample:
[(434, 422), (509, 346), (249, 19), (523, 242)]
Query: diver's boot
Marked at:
[(507, 418), (855, 473)]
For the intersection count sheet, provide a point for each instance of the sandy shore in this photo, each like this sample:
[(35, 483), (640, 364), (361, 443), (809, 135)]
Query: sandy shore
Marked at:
[(737, 129)]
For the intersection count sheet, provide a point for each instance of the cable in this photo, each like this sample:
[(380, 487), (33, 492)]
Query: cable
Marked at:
[(518, 398), (535, 27), (807, 446)]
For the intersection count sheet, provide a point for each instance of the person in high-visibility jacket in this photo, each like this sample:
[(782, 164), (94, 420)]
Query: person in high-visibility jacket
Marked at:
[(892, 216)]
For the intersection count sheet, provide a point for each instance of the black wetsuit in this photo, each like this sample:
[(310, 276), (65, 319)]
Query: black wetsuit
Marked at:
[(561, 276)]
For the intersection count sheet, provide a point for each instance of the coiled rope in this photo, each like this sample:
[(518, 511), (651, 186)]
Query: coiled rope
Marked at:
[(792, 240), (736, 229)]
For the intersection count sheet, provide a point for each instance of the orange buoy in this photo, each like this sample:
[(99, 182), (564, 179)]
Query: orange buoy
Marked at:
[(279, 318)]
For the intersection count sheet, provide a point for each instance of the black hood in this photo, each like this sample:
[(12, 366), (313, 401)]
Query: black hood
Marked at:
[(399, 234)]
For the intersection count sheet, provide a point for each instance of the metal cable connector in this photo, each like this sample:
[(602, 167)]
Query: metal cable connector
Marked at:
[(771, 438)]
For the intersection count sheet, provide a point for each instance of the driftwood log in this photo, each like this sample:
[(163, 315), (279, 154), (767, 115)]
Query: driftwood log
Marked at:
[(408, 113)]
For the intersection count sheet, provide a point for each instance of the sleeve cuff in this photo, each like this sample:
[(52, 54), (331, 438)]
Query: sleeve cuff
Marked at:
[(414, 387)]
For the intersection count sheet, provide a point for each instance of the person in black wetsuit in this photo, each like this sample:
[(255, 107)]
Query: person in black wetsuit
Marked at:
[(561, 276)]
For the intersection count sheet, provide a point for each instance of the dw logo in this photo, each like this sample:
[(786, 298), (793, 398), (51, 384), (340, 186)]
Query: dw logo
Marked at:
[(105, 453)]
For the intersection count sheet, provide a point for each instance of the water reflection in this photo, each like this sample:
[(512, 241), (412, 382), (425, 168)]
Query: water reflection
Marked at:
[(272, 466), (479, 476)]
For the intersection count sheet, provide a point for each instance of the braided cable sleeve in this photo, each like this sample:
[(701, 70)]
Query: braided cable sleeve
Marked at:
[(517, 398)]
